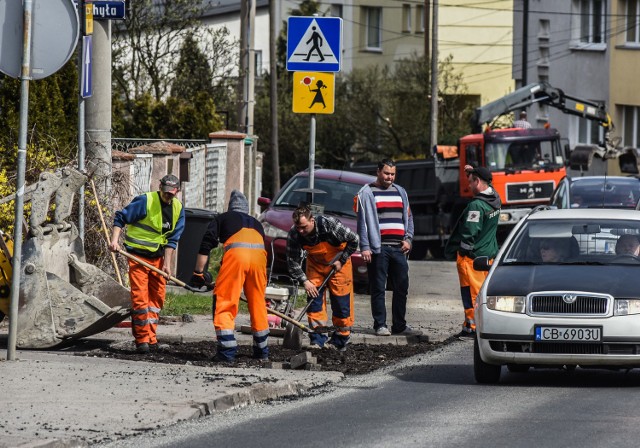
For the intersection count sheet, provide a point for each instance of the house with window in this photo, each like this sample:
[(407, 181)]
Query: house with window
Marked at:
[(591, 50), (478, 37), (382, 32)]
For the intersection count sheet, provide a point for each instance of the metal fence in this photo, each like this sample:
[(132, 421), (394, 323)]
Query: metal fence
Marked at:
[(125, 144)]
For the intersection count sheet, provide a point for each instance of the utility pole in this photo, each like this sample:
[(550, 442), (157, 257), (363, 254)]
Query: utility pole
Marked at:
[(434, 76), (525, 41), (98, 109), (427, 28), (273, 97), (247, 65), (81, 125)]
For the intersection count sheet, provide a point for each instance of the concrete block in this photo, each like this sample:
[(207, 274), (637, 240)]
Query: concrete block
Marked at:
[(300, 360), (274, 365)]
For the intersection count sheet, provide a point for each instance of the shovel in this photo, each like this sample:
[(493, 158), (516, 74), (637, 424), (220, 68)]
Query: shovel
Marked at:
[(179, 282), (292, 335)]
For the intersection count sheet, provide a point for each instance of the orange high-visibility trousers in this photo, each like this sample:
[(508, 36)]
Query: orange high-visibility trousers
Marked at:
[(470, 284), (147, 298), (319, 263), (244, 266)]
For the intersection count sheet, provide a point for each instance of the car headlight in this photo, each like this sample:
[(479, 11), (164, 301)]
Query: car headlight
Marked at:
[(509, 304), (272, 231), (625, 307)]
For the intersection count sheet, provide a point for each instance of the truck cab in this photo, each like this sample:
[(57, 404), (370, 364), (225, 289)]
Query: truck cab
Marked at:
[(526, 164)]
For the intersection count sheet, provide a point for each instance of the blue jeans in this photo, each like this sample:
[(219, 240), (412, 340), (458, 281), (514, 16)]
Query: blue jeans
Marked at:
[(389, 265)]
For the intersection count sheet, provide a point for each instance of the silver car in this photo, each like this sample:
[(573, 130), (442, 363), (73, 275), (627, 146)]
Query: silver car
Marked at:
[(562, 292)]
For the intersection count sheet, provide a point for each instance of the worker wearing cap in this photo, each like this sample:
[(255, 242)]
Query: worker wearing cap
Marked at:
[(243, 267), (154, 222), (474, 235)]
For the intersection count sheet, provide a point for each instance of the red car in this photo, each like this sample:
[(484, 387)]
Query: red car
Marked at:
[(338, 190)]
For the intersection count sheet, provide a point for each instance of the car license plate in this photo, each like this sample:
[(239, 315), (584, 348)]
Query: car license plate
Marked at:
[(569, 334)]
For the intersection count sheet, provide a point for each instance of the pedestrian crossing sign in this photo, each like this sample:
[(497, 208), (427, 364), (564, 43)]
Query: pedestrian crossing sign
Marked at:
[(314, 43), (313, 93)]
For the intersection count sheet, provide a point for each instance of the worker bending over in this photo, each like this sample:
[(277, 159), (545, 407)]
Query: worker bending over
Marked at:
[(329, 244), (244, 266)]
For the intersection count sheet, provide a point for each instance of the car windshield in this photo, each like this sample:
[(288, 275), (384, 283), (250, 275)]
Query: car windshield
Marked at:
[(523, 155), (575, 242), (337, 196), (605, 193)]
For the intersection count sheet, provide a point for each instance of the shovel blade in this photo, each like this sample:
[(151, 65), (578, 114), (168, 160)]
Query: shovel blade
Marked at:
[(292, 337)]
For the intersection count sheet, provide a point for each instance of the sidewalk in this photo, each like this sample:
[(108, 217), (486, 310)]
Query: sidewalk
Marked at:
[(66, 399)]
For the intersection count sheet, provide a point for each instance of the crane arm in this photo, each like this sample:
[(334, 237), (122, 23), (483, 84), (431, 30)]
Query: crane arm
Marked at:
[(545, 94)]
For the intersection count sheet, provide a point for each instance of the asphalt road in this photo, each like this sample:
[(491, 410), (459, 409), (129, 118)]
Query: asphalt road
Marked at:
[(432, 400)]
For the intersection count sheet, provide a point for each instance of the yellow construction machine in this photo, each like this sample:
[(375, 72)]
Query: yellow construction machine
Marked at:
[(62, 297)]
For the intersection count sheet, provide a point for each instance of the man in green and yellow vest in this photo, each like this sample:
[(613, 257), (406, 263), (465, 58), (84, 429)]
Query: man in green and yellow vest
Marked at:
[(154, 221), (474, 235)]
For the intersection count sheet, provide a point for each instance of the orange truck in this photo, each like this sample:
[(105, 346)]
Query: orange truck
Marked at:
[(526, 164)]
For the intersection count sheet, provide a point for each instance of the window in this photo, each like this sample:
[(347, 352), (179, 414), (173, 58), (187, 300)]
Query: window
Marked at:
[(258, 60), (545, 29), (336, 10), (591, 22), (373, 28), (589, 132), (406, 18), (633, 21), (631, 126), (420, 19)]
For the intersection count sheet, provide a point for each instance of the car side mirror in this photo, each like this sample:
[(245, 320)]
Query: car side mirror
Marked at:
[(264, 202), (481, 263)]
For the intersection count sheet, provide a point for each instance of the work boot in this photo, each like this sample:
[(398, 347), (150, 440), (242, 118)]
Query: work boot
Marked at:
[(158, 347), (142, 348)]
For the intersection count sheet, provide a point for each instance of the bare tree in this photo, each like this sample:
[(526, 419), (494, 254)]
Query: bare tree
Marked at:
[(146, 48), (146, 51)]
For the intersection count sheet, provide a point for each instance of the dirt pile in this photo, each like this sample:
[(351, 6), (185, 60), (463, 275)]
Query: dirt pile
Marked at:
[(358, 359)]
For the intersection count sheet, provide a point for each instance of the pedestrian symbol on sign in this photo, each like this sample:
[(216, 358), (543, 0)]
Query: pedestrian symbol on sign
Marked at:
[(312, 46), (318, 98), (317, 43)]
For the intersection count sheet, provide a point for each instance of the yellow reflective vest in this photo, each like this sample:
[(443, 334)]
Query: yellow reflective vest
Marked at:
[(147, 234)]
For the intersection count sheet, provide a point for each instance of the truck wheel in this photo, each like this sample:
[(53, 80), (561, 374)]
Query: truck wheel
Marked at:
[(484, 373), (418, 251)]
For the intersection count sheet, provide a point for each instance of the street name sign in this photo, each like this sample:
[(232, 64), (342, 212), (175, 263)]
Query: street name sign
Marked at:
[(109, 10), (314, 43)]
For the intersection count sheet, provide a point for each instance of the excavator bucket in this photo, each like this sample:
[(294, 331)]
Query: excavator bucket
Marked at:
[(62, 297)]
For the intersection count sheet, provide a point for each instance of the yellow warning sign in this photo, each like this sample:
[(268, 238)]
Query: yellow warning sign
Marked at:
[(313, 92)]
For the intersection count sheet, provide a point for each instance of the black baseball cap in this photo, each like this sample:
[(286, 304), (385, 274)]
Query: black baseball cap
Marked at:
[(170, 184), (483, 173)]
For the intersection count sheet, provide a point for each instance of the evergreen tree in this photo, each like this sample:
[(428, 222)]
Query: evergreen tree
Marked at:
[(193, 73)]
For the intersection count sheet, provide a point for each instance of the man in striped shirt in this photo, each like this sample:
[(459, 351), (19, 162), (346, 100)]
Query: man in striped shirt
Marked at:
[(385, 228)]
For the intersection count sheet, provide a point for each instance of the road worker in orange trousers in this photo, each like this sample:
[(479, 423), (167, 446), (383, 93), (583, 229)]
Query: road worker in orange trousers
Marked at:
[(328, 244), (244, 266), (154, 223)]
